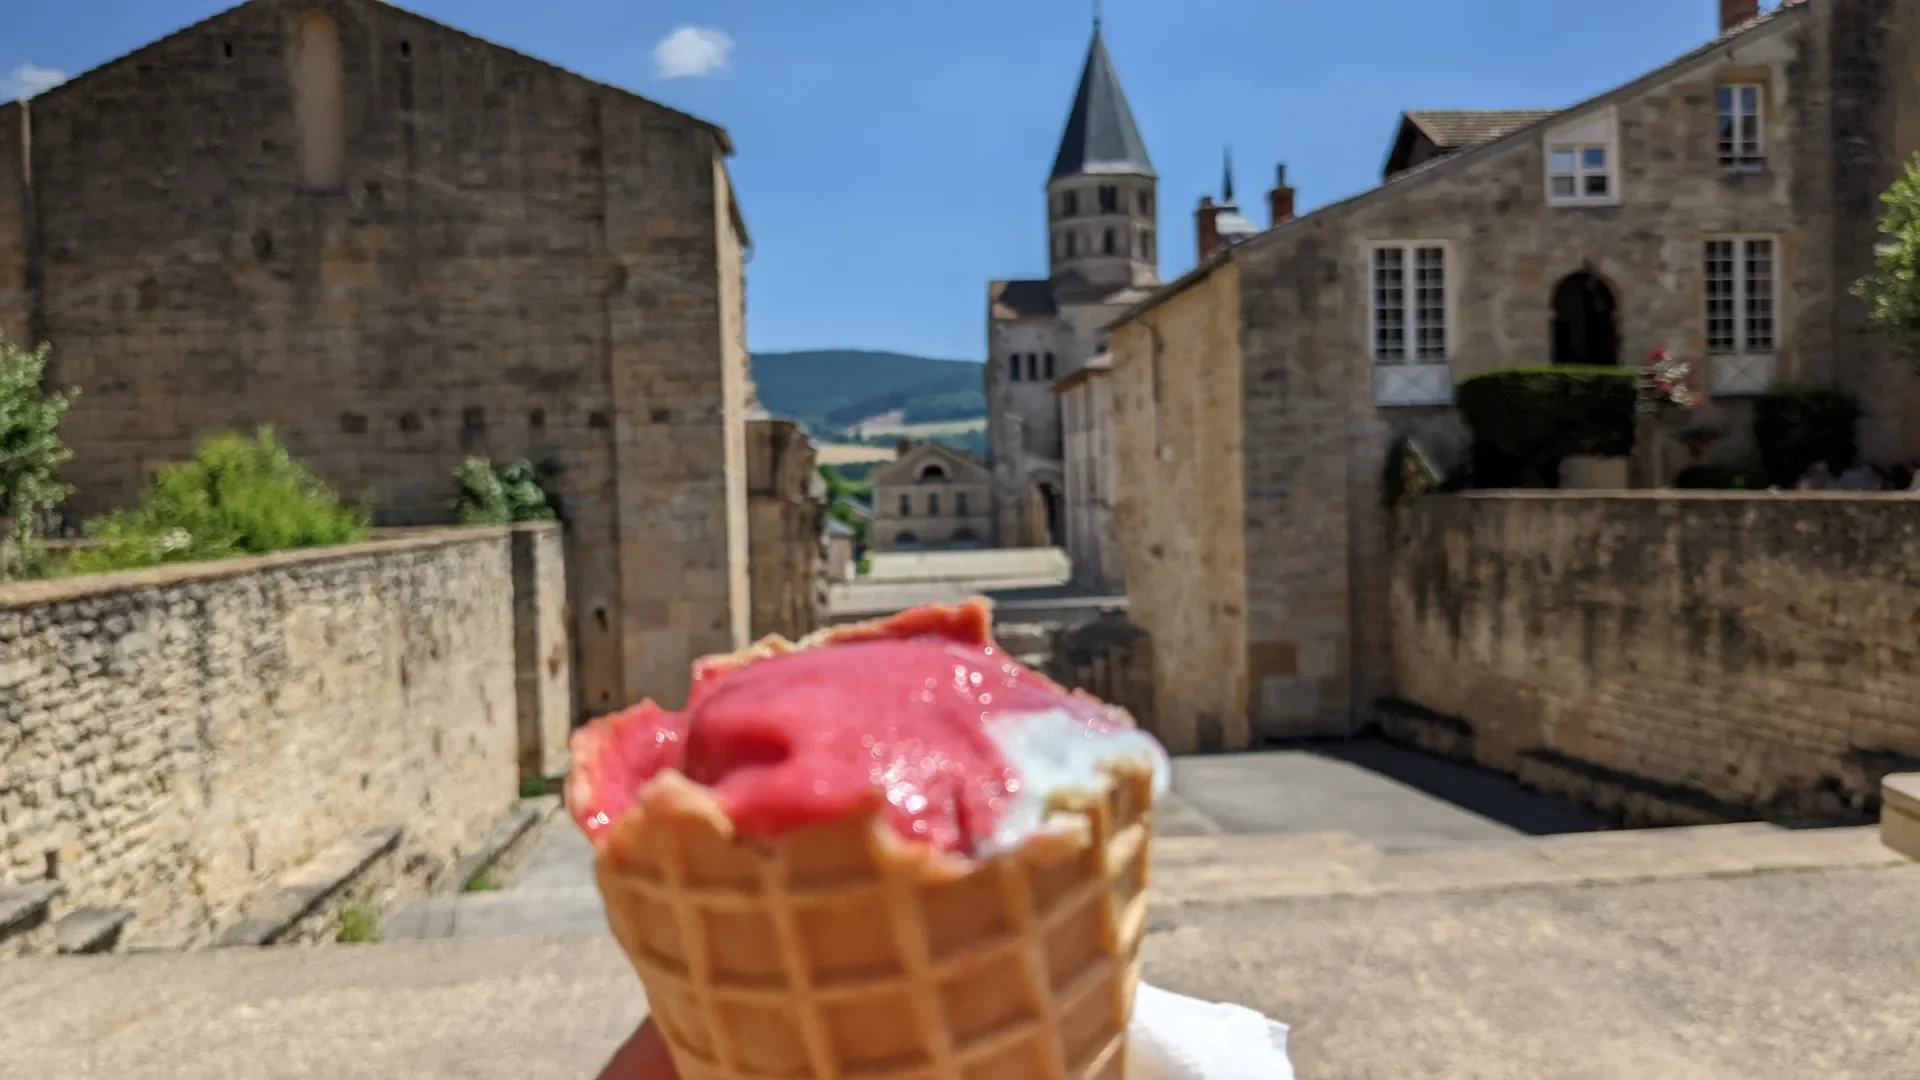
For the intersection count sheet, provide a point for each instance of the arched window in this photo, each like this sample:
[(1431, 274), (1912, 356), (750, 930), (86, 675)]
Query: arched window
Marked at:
[(1013, 366), (933, 471), (1107, 243), (318, 102)]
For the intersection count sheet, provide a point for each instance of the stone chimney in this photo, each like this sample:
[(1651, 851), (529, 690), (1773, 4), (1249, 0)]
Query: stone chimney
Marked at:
[(1280, 199), (901, 446), (1735, 12), (1206, 222)]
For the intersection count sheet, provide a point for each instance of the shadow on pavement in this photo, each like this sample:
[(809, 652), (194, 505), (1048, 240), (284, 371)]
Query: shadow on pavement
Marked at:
[(1481, 791)]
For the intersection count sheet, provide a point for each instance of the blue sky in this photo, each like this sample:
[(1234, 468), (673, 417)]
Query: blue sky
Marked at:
[(892, 153)]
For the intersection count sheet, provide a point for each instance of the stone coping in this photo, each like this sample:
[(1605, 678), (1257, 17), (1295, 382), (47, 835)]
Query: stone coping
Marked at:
[(34, 593), (506, 832), (1675, 495), (303, 889)]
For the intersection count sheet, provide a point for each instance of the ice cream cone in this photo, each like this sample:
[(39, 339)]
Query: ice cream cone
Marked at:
[(843, 952)]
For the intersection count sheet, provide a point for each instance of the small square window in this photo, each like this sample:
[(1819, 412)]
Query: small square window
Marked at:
[(1579, 174)]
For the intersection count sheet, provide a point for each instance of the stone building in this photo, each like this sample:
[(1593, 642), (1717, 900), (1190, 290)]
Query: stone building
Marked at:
[(401, 245), (1086, 425), (1719, 206), (786, 549), (930, 498), (1103, 254)]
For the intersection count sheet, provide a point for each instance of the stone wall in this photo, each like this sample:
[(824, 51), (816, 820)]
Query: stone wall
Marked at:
[(510, 261), (174, 739), (1180, 512), (1727, 651), (786, 514)]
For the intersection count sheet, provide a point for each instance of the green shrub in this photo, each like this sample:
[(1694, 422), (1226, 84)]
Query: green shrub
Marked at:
[(359, 925), (239, 496), (1892, 291), (1799, 426), (31, 454), (1526, 421), (500, 496), (1407, 474)]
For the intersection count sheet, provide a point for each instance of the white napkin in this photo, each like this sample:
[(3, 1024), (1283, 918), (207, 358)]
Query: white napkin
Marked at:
[(1182, 1038)]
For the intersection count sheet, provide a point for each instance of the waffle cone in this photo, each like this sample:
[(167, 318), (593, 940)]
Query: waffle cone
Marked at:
[(841, 951)]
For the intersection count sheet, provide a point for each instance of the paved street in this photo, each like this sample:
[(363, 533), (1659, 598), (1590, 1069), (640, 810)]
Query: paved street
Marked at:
[(1743, 977)]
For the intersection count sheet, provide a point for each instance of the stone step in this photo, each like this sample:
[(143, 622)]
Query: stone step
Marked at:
[(24, 912), (1900, 814), (1233, 870), (89, 930)]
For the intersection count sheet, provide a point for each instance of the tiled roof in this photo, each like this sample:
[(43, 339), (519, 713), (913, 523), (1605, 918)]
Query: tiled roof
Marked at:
[(1101, 136), (1764, 16), (1455, 129), (1021, 299)]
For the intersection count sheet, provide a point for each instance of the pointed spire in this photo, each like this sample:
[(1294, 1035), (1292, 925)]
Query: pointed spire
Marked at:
[(1101, 136), (1226, 188)]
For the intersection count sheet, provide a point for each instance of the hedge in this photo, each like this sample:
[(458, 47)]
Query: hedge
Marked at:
[(1526, 421)]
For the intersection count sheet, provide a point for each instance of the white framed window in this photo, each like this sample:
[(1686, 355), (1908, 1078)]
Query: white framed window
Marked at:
[(1583, 162), (1743, 304), (1410, 324), (1579, 174), (1741, 139)]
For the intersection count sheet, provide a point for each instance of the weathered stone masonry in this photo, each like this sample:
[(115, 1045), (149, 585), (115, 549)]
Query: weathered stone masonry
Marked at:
[(504, 259), (172, 740), (1753, 651)]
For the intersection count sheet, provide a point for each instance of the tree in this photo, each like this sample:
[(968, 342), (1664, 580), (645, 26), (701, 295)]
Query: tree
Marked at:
[(1892, 291), (31, 453)]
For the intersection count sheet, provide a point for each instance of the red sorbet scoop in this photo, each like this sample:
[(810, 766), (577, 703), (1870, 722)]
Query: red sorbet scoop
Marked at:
[(892, 715)]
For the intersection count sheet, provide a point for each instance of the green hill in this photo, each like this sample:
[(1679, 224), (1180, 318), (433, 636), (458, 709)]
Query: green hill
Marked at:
[(827, 389)]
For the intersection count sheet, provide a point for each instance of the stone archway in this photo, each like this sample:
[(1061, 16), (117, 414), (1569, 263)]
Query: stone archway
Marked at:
[(1585, 328)]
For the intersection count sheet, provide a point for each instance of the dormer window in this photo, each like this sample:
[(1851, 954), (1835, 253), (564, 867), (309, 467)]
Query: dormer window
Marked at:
[(1578, 172), (1583, 162), (1740, 139)]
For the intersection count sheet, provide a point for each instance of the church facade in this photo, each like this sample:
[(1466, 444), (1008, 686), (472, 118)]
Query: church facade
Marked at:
[(1102, 235)]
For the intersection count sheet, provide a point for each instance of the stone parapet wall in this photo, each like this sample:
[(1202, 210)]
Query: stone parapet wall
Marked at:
[(1716, 651), (172, 740)]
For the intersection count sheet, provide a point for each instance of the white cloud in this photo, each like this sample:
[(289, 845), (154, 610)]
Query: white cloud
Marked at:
[(690, 52), (27, 80)]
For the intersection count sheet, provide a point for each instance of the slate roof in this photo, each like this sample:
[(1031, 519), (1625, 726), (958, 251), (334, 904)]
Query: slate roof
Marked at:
[(1021, 299), (1454, 129), (1101, 136)]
